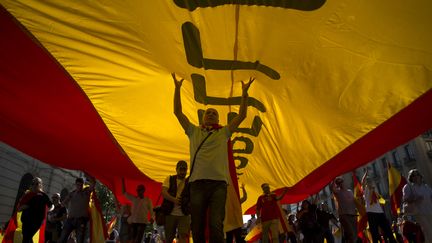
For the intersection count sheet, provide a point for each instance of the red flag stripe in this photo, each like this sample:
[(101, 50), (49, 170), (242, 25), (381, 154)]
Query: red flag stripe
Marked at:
[(10, 230)]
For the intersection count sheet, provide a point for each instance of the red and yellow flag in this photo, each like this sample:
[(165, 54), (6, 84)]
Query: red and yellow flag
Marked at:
[(13, 232), (254, 233), (94, 80), (396, 183), (358, 199), (233, 209), (10, 230), (111, 224), (98, 227)]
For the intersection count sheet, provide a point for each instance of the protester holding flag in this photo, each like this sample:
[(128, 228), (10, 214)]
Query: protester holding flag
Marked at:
[(375, 213), (141, 207), (209, 164), (417, 198), (78, 217), (268, 213), (346, 208), (34, 205)]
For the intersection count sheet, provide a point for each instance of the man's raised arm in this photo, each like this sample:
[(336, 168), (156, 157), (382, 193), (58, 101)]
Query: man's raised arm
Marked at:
[(243, 107), (184, 121)]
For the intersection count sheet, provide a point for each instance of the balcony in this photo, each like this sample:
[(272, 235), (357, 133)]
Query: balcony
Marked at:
[(427, 135)]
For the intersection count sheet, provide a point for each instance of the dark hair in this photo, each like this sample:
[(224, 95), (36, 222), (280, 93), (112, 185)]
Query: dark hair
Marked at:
[(338, 181), (79, 180), (306, 202), (413, 173), (181, 163)]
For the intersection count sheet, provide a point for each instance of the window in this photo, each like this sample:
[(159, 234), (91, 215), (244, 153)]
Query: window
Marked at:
[(374, 169), (384, 162), (427, 134), (408, 152), (428, 145), (396, 158)]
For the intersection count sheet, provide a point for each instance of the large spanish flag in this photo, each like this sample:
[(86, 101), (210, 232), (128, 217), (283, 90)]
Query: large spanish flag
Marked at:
[(86, 84), (396, 183)]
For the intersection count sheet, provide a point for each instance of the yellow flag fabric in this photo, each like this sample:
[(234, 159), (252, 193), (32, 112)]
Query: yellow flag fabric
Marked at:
[(396, 183), (13, 233), (328, 75), (254, 234), (233, 210), (98, 229)]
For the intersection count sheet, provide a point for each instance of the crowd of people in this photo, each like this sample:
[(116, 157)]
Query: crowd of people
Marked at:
[(65, 220), (203, 214), (311, 222)]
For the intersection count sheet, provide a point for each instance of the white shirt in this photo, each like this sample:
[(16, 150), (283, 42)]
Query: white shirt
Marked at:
[(141, 207), (371, 208), (423, 206)]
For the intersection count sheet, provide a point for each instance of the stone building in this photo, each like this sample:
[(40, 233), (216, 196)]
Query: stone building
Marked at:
[(416, 154), (17, 171)]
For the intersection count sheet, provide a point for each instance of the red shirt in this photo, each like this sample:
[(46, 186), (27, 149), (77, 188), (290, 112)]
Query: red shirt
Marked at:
[(267, 205)]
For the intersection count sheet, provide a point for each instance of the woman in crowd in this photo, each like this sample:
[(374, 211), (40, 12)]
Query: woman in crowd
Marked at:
[(417, 198), (34, 206)]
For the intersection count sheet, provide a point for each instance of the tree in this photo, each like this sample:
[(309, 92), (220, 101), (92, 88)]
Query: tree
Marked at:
[(107, 201)]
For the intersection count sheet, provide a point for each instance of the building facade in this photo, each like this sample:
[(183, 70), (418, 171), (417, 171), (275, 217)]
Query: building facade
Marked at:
[(416, 154), (18, 170)]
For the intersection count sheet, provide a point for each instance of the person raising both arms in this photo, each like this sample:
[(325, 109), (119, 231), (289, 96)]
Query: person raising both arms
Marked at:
[(209, 164)]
